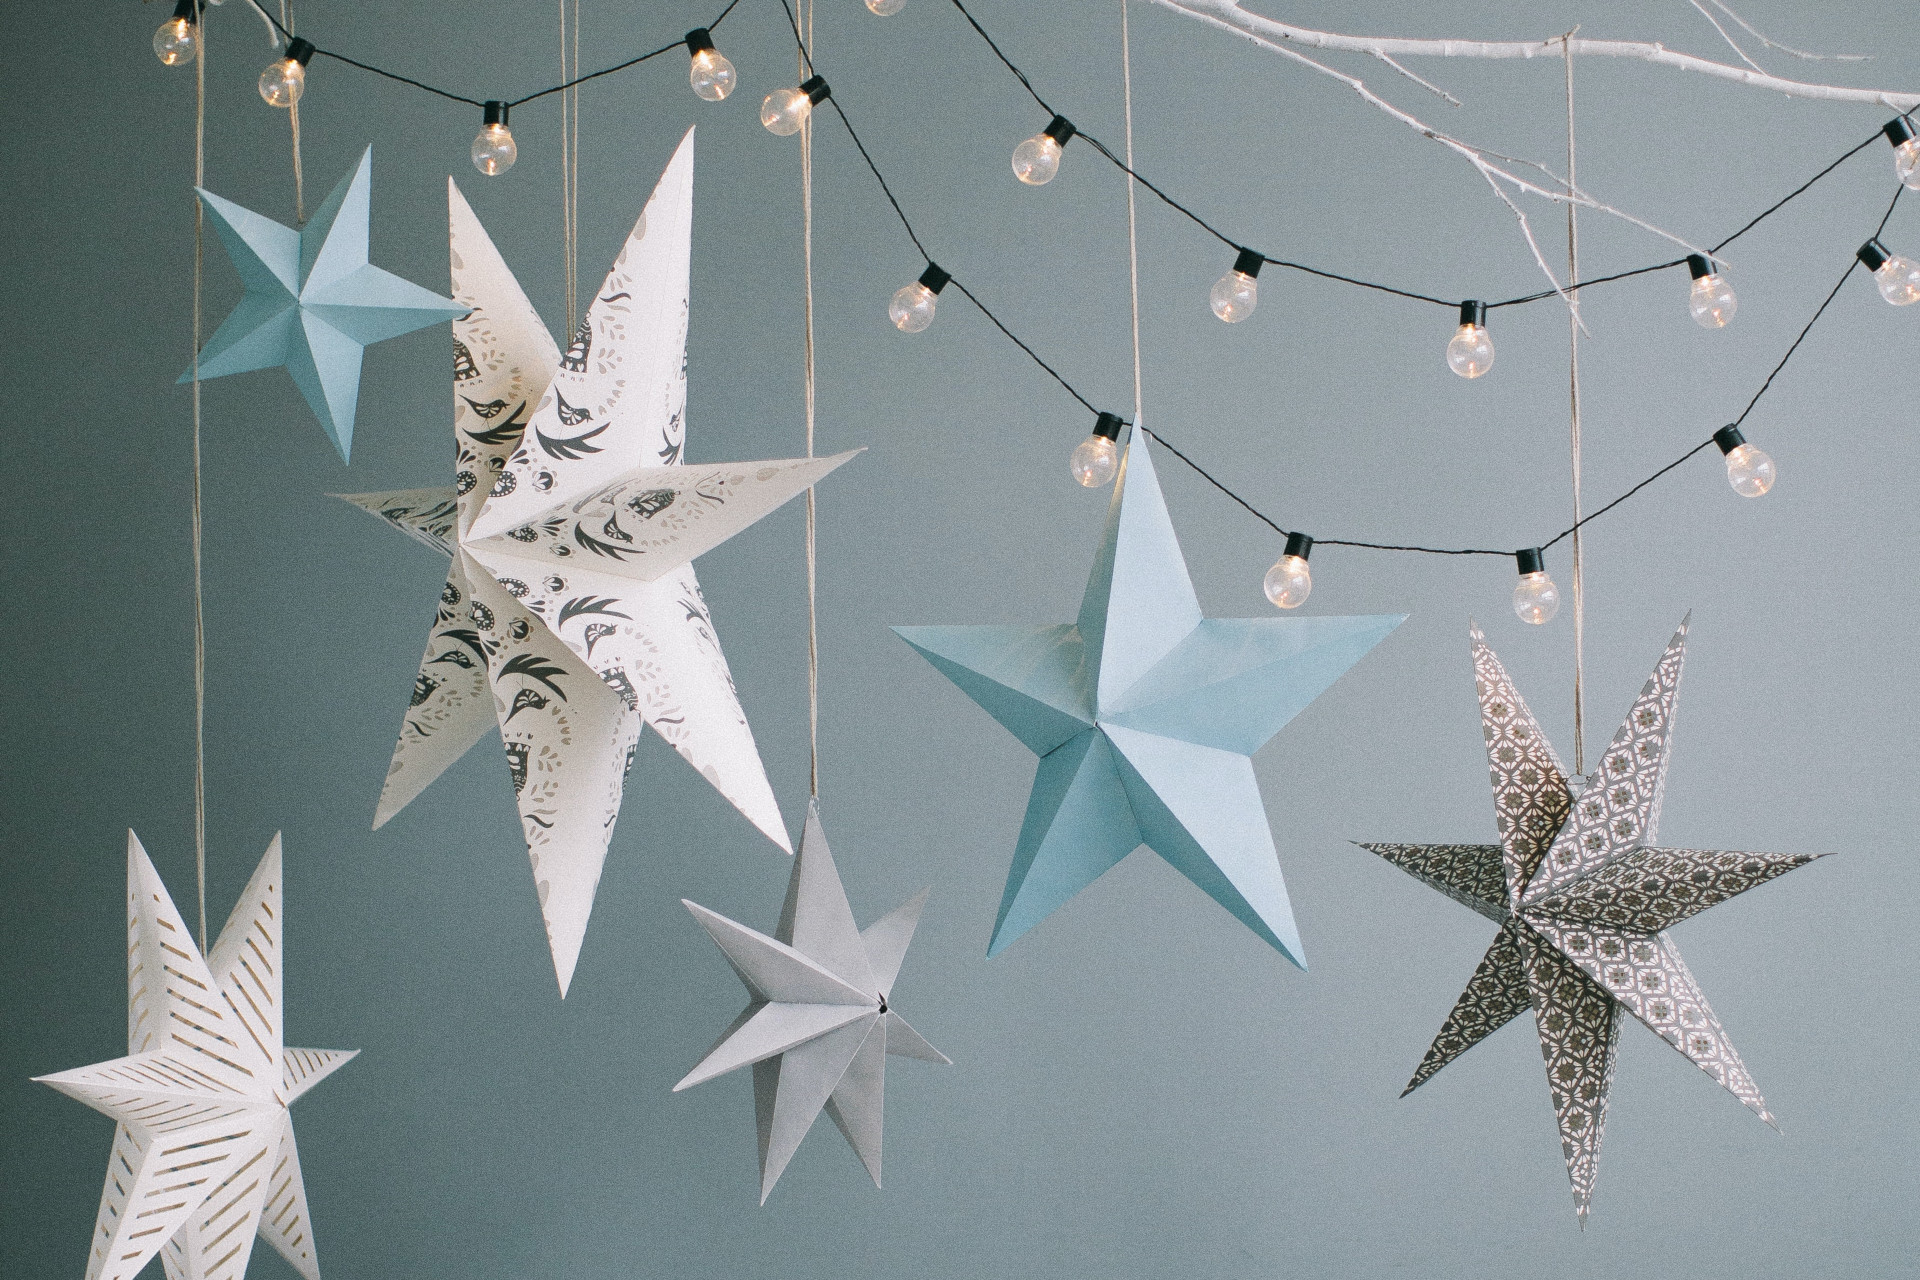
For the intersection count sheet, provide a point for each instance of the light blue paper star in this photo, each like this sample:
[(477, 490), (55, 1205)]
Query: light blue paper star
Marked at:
[(1144, 715), (313, 301)]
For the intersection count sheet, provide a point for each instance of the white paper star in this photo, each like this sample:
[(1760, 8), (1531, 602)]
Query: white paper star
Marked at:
[(203, 1159), (818, 1027), (571, 613)]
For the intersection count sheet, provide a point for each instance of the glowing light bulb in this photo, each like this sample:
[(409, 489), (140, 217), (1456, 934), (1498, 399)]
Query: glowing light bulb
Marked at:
[(1899, 279), (912, 307), (784, 110), (1237, 293), (886, 8), (711, 75), (1470, 353), (1711, 301), (177, 42), (1535, 598), (1037, 160), (1290, 581), (1906, 151), (282, 83), (493, 147), (1095, 460), (1749, 471)]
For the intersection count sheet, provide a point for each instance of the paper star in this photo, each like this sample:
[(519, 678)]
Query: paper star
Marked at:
[(204, 1158), (1145, 716), (1583, 898), (571, 613), (313, 301), (818, 1026)]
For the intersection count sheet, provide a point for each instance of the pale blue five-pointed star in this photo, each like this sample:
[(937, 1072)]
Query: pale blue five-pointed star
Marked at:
[(313, 301), (1145, 715)]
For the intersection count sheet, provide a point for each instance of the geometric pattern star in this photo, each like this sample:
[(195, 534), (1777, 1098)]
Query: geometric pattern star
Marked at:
[(818, 1026), (1583, 898), (1145, 715), (313, 301), (203, 1156), (571, 616)]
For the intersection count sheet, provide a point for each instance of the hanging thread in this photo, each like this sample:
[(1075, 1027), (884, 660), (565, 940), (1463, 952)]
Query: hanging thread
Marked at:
[(293, 119), (570, 162), (1573, 396), (199, 612), (1133, 235), (804, 30)]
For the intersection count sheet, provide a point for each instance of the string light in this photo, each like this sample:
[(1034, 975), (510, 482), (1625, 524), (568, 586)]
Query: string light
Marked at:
[(1237, 293), (177, 42), (1899, 279), (1470, 353), (711, 75), (1711, 301), (1749, 471), (886, 8), (1906, 151), (784, 110), (1095, 460), (1535, 598), (282, 83), (1288, 583), (912, 307), (1036, 160), (493, 148)]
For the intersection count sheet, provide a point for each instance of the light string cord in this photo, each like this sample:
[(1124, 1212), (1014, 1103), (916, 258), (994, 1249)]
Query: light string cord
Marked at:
[(1184, 210), (1573, 398), (1579, 524), (199, 610), (805, 59), (1133, 222)]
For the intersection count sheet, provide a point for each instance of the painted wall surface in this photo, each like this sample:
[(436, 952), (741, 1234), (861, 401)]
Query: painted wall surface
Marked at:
[(1141, 1087)]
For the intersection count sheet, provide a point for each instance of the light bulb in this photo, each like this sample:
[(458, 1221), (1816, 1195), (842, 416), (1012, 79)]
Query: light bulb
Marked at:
[(886, 8), (1906, 151), (1899, 279), (177, 43), (1535, 598), (493, 148), (1289, 582), (711, 75), (1237, 293), (912, 307), (1749, 471), (1470, 353), (784, 110), (1711, 300), (1095, 460), (282, 83), (1037, 160)]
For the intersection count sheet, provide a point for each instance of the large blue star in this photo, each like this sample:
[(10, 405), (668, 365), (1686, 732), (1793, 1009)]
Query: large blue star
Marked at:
[(313, 301), (1145, 715)]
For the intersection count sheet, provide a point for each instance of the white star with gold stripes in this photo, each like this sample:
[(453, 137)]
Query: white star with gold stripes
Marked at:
[(203, 1159)]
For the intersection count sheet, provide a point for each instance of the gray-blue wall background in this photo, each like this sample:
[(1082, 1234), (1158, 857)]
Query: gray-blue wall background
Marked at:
[(1140, 1087)]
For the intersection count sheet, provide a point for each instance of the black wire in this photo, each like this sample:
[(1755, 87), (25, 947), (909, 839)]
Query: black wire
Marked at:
[(594, 75), (1020, 75), (1894, 204), (1798, 190)]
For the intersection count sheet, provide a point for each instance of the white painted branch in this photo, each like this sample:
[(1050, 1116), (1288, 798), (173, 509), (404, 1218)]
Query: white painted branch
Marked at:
[(1230, 16)]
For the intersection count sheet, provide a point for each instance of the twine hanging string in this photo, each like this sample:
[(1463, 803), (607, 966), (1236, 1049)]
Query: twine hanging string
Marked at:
[(1133, 235), (1573, 397), (199, 613), (570, 162), (804, 31), (293, 120)]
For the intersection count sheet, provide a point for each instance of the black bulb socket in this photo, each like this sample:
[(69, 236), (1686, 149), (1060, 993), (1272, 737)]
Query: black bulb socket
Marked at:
[(300, 50), (1530, 560), (493, 112), (1474, 313), (816, 89), (1059, 129), (1874, 254), (1899, 130), (1299, 544), (1108, 425), (933, 279), (190, 11), (1729, 438), (699, 40), (1249, 263), (1699, 265)]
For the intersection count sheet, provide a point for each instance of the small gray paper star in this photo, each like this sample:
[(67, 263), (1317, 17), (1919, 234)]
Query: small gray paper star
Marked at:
[(1583, 899), (818, 1026)]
